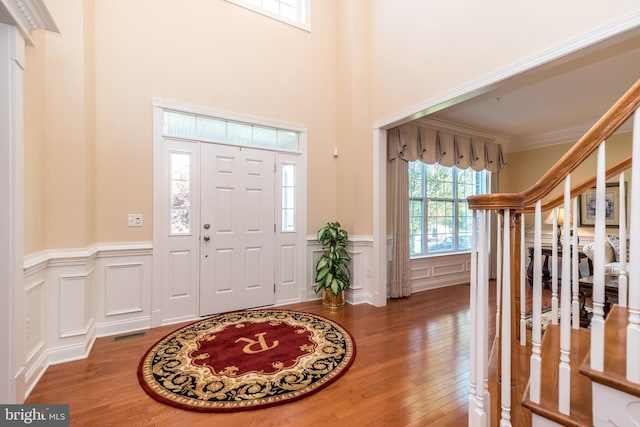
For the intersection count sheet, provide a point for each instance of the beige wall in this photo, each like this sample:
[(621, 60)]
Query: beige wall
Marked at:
[(524, 168), (59, 136), (213, 54), (424, 48), (88, 112), (354, 195), (34, 145), (98, 128)]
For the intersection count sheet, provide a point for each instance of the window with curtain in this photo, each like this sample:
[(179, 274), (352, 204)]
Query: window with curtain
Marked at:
[(440, 220)]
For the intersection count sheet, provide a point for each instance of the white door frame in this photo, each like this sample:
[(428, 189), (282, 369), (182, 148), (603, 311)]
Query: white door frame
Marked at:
[(12, 214), (290, 247)]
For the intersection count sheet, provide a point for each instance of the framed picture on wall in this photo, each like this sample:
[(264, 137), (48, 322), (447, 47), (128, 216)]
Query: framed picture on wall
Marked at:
[(612, 206)]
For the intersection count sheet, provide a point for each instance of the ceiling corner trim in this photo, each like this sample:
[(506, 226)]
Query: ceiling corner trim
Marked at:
[(27, 16), (461, 129), (558, 137)]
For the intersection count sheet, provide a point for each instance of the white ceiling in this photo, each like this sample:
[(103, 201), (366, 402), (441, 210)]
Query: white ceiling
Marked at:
[(555, 103)]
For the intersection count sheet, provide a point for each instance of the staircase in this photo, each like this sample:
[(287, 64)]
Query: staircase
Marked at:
[(567, 375)]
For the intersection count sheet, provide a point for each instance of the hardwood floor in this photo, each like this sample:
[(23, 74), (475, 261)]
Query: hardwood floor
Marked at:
[(411, 369)]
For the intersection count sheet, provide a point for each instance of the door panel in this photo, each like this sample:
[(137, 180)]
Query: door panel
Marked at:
[(177, 230), (237, 268)]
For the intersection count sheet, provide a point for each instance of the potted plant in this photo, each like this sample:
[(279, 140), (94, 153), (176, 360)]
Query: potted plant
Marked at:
[(332, 270)]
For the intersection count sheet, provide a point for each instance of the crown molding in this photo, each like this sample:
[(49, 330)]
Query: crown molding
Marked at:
[(547, 139), (27, 16), (440, 124)]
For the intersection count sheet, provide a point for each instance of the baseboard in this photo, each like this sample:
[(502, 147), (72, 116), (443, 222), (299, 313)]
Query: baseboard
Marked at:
[(181, 319), (71, 352), (287, 302), (33, 375), (19, 385), (123, 326)]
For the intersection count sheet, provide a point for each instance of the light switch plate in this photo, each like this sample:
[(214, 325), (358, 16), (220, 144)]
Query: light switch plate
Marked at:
[(135, 220)]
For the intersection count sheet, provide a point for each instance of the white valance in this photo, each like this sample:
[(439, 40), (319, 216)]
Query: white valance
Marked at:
[(412, 142)]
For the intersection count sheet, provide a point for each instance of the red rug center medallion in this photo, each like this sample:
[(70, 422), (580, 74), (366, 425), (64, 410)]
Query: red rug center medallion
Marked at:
[(258, 347)]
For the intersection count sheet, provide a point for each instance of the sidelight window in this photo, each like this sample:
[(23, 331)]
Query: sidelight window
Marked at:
[(180, 192), (288, 197)]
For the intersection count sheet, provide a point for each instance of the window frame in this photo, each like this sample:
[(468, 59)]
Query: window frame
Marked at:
[(284, 208), (304, 17), (482, 187)]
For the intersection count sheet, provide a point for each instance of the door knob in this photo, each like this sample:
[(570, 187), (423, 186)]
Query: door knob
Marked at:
[(206, 237), (206, 226)]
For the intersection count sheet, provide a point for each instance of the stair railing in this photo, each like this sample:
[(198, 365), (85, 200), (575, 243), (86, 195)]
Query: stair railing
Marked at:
[(512, 206)]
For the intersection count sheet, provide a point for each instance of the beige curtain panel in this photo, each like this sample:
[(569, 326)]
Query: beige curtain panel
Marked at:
[(408, 143)]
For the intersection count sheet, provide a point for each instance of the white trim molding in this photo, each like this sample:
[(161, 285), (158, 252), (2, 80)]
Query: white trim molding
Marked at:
[(73, 296), (439, 271), (557, 137), (12, 55), (360, 249), (27, 15)]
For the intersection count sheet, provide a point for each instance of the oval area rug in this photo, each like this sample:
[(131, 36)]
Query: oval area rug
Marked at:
[(246, 360)]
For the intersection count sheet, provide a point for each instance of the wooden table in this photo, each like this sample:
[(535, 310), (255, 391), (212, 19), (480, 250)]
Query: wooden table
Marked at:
[(610, 286), (586, 291), (546, 273)]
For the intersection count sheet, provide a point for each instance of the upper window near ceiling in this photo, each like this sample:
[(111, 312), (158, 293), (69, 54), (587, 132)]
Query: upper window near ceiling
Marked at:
[(293, 12)]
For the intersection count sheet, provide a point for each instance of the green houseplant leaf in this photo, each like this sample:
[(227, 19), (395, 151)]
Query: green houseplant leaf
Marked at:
[(332, 269)]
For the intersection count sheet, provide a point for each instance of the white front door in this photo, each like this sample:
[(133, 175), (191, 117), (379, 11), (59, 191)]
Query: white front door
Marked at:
[(237, 236), (238, 193)]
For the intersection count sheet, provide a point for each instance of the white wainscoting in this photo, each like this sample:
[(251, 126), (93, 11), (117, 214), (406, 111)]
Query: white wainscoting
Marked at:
[(74, 296), (360, 249), (439, 271)]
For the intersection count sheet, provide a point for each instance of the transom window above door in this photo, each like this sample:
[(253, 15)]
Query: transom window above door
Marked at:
[(215, 129)]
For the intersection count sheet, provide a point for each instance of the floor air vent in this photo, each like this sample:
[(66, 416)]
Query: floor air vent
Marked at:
[(131, 335)]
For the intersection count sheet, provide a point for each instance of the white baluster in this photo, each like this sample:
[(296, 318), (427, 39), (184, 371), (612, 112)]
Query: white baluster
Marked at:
[(498, 272), (473, 314), (623, 278), (505, 420), (575, 268), (523, 284), (633, 328), (535, 369), (485, 320), (597, 320), (554, 269), (481, 407), (564, 374)]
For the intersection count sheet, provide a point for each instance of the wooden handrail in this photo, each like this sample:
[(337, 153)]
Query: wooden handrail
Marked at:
[(615, 170), (603, 129)]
